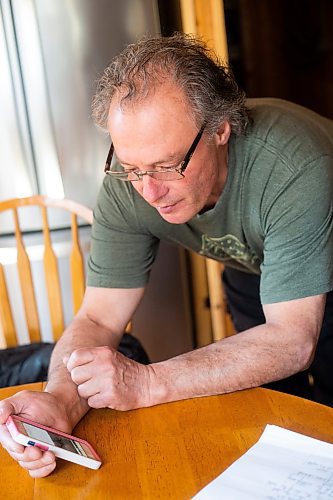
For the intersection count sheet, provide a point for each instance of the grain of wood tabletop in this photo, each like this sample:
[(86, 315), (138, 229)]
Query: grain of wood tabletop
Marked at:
[(167, 451)]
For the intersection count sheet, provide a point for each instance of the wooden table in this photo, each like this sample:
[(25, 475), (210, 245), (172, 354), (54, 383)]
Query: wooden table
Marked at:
[(168, 451)]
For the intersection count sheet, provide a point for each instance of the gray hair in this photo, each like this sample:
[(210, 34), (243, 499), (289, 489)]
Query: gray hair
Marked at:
[(208, 84)]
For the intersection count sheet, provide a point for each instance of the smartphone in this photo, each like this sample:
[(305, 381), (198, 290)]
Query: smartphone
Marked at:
[(71, 448)]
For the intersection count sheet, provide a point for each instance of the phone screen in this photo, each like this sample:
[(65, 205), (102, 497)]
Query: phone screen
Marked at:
[(49, 437)]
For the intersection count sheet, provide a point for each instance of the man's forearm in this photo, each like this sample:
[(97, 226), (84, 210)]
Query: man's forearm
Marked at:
[(82, 332), (248, 359)]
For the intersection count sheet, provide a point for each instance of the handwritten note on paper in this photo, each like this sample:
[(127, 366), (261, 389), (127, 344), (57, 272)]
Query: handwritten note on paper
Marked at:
[(282, 465)]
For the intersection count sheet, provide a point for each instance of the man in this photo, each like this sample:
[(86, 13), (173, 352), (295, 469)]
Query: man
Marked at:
[(191, 164)]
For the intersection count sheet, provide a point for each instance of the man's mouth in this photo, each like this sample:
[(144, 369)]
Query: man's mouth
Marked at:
[(166, 209)]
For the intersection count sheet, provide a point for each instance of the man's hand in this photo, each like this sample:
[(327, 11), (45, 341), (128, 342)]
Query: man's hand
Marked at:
[(40, 407), (107, 379)]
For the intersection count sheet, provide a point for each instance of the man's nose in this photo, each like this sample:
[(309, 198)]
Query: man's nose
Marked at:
[(152, 190)]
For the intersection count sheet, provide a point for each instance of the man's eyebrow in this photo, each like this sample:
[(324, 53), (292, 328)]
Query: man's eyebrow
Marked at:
[(173, 157)]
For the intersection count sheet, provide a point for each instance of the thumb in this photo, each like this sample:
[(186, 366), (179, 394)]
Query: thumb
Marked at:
[(6, 408)]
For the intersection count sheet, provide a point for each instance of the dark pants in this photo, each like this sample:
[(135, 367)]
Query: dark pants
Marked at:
[(242, 291)]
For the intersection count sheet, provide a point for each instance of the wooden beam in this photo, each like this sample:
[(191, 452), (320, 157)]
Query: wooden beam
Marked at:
[(205, 18)]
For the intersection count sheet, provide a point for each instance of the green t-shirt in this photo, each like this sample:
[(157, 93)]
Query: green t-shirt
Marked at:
[(273, 218)]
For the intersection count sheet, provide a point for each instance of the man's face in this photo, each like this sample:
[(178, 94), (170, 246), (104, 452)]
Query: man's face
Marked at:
[(158, 133)]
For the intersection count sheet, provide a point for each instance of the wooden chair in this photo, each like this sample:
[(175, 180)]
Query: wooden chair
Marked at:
[(221, 321), (51, 272), (212, 320)]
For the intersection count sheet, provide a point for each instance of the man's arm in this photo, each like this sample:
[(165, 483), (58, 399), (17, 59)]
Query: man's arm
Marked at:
[(100, 322), (281, 347)]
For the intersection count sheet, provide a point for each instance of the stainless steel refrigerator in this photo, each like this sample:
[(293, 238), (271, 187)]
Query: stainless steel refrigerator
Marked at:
[(51, 54)]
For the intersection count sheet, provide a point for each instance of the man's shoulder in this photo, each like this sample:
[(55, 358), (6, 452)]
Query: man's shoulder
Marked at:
[(281, 112), (277, 105), (289, 129)]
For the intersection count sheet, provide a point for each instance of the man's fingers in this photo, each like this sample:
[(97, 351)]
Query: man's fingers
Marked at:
[(88, 389), (79, 357), (81, 374), (44, 459), (37, 462), (97, 401), (43, 471), (8, 442)]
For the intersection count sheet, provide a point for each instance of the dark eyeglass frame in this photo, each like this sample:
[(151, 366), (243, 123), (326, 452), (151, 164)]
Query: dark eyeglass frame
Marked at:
[(182, 167)]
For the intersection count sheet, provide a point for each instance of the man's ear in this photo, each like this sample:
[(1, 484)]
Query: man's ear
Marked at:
[(223, 133)]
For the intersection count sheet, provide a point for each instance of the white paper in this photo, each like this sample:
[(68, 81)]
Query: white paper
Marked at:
[(282, 465)]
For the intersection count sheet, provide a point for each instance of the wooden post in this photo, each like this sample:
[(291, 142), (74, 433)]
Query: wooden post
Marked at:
[(206, 19)]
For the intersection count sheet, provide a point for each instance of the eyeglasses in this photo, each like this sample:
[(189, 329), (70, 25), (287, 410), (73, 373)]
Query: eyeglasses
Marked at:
[(159, 174)]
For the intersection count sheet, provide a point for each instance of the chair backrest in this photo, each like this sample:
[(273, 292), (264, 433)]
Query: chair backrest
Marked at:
[(211, 318), (51, 272), (221, 321)]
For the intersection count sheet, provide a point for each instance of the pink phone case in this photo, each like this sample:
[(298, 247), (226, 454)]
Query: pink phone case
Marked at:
[(93, 461)]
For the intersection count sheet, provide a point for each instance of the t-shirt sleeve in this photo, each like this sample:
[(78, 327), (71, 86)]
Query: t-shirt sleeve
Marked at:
[(122, 250), (298, 243)]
